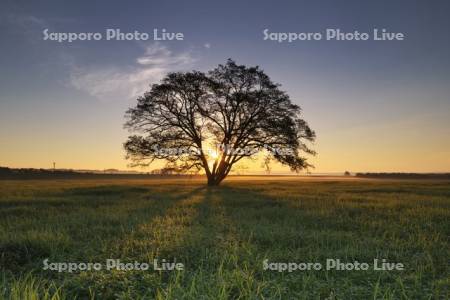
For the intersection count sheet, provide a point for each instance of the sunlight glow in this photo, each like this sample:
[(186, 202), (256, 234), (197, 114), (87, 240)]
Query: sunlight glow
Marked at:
[(213, 154)]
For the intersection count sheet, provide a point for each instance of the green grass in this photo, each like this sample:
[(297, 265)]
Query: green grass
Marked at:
[(222, 235)]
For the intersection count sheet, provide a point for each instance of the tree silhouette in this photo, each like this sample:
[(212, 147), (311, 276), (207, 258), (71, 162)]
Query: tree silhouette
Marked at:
[(211, 121)]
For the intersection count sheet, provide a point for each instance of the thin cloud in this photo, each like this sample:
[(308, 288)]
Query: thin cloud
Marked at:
[(25, 21), (27, 26), (113, 82)]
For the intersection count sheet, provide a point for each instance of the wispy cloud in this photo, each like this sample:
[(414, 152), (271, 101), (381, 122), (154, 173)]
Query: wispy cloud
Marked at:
[(22, 21), (27, 26), (106, 82), (112, 82)]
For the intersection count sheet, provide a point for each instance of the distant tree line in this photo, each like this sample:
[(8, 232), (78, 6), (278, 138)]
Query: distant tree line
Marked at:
[(405, 175), (29, 173), (7, 173)]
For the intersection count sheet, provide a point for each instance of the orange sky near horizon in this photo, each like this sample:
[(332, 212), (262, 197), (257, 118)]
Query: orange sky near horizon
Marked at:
[(390, 147)]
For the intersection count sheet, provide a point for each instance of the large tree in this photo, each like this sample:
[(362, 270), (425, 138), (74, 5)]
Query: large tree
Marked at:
[(197, 121)]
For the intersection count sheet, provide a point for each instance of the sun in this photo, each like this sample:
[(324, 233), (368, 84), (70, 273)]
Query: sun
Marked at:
[(213, 154)]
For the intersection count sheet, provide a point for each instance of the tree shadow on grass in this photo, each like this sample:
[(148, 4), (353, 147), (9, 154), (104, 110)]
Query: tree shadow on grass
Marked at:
[(156, 234), (94, 234), (263, 227), (282, 228), (78, 228), (212, 252)]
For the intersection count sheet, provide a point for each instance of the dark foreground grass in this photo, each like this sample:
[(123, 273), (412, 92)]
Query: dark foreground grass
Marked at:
[(223, 235)]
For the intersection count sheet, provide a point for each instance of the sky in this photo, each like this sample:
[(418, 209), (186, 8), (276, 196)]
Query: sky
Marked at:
[(376, 106)]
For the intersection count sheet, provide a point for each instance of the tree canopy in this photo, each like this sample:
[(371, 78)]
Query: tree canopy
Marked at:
[(197, 121)]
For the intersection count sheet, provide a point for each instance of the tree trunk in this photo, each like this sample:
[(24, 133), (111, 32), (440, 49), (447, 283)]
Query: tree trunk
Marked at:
[(212, 181)]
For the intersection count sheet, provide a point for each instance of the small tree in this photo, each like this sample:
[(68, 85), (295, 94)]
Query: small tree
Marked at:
[(233, 110)]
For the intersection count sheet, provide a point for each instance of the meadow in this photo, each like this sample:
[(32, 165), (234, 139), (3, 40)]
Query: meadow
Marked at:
[(223, 235)]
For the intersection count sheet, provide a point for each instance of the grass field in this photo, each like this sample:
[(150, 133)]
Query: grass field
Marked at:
[(223, 235)]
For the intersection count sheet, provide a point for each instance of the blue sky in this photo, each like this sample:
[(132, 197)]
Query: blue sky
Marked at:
[(375, 105)]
